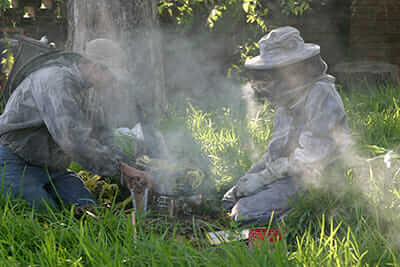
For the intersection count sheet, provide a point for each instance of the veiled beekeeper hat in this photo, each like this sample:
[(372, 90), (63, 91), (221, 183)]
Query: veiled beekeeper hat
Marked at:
[(108, 53), (281, 47)]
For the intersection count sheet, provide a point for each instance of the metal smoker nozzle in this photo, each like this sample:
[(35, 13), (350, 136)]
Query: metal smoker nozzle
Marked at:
[(146, 196)]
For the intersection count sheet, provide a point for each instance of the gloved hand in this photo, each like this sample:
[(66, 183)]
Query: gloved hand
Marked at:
[(249, 184), (252, 183), (229, 199)]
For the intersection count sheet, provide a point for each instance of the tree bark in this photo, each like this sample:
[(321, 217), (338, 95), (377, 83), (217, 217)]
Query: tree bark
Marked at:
[(135, 25)]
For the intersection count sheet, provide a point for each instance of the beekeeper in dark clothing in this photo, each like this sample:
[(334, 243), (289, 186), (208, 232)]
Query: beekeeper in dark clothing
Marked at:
[(51, 119), (310, 128)]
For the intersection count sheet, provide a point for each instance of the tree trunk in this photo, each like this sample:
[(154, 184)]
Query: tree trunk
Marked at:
[(135, 25)]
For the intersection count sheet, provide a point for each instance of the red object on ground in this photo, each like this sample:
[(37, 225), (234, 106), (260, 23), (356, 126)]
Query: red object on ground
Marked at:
[(260, 234)]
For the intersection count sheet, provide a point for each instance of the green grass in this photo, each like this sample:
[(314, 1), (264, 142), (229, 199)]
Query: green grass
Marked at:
[(374, 116), (54, 238), (351, 221)]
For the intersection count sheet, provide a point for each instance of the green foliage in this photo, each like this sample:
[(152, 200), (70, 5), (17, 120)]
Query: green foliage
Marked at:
[(5, 4), (103, 188), (230, 140), (260, 128), (222, 143), (351, 220), (56, 238), (104, 191), (184, 11), (374, 116), (2, 104), (244, 21), (75, 167), (127, 143), (220, 138), (294, 7), (329, 250), (7, 62), (5, 68), (361, 224), (180, 141)]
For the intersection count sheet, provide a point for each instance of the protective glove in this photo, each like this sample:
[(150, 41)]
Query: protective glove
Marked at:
[(229, 199), (252, 183)]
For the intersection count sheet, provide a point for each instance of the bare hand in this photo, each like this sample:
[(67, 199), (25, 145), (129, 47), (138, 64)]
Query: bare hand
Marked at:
[(136, 178)]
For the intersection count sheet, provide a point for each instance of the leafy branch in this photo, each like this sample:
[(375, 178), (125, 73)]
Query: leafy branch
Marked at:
[(295, 7), (4, 4), (245, 20), (183, 10)]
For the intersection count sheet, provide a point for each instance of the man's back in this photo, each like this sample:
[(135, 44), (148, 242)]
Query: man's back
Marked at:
[(22, 127)]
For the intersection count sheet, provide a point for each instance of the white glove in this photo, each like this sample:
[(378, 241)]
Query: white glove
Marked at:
[(252, 183)]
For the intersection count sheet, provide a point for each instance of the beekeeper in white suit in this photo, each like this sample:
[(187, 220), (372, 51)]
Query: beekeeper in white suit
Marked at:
[(310, 128)]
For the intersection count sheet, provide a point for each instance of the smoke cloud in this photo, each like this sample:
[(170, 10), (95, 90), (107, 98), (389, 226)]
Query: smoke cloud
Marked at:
[(193, 70)]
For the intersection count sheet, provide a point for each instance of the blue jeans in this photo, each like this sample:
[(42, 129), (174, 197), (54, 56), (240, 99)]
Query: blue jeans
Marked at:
[(35, 184)]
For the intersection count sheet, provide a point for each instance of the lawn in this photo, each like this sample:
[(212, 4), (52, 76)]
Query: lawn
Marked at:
[(350, 219)]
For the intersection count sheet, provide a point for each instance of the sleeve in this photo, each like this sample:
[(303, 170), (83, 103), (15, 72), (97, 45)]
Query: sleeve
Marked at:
[(277, 143), (59, 105), (273, 165), (325, 118)]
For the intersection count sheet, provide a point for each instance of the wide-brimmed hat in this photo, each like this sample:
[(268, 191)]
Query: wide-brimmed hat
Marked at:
[(108, 53), (281, 47)]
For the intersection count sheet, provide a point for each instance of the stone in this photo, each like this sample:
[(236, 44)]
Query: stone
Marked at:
[(361, 74)]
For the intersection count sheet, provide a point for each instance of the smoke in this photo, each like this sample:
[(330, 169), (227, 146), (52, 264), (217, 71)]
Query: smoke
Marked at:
[(374, 182), (192, 70), (253, 104), (191, 74)]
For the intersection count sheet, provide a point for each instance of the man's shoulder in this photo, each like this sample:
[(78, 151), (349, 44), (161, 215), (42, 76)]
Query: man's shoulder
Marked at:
[(58, 69), (324, 87), (324, 95), (57, 73), (56, 63)]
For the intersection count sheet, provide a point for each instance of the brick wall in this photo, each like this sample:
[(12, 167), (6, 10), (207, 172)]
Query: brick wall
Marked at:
[(375, 30)]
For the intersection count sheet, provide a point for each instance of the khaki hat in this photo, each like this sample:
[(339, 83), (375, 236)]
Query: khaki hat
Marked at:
[(108, 53), (281, 47)]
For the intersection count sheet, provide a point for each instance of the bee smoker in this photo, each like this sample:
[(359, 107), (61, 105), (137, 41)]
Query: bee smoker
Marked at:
[(178, 200)]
